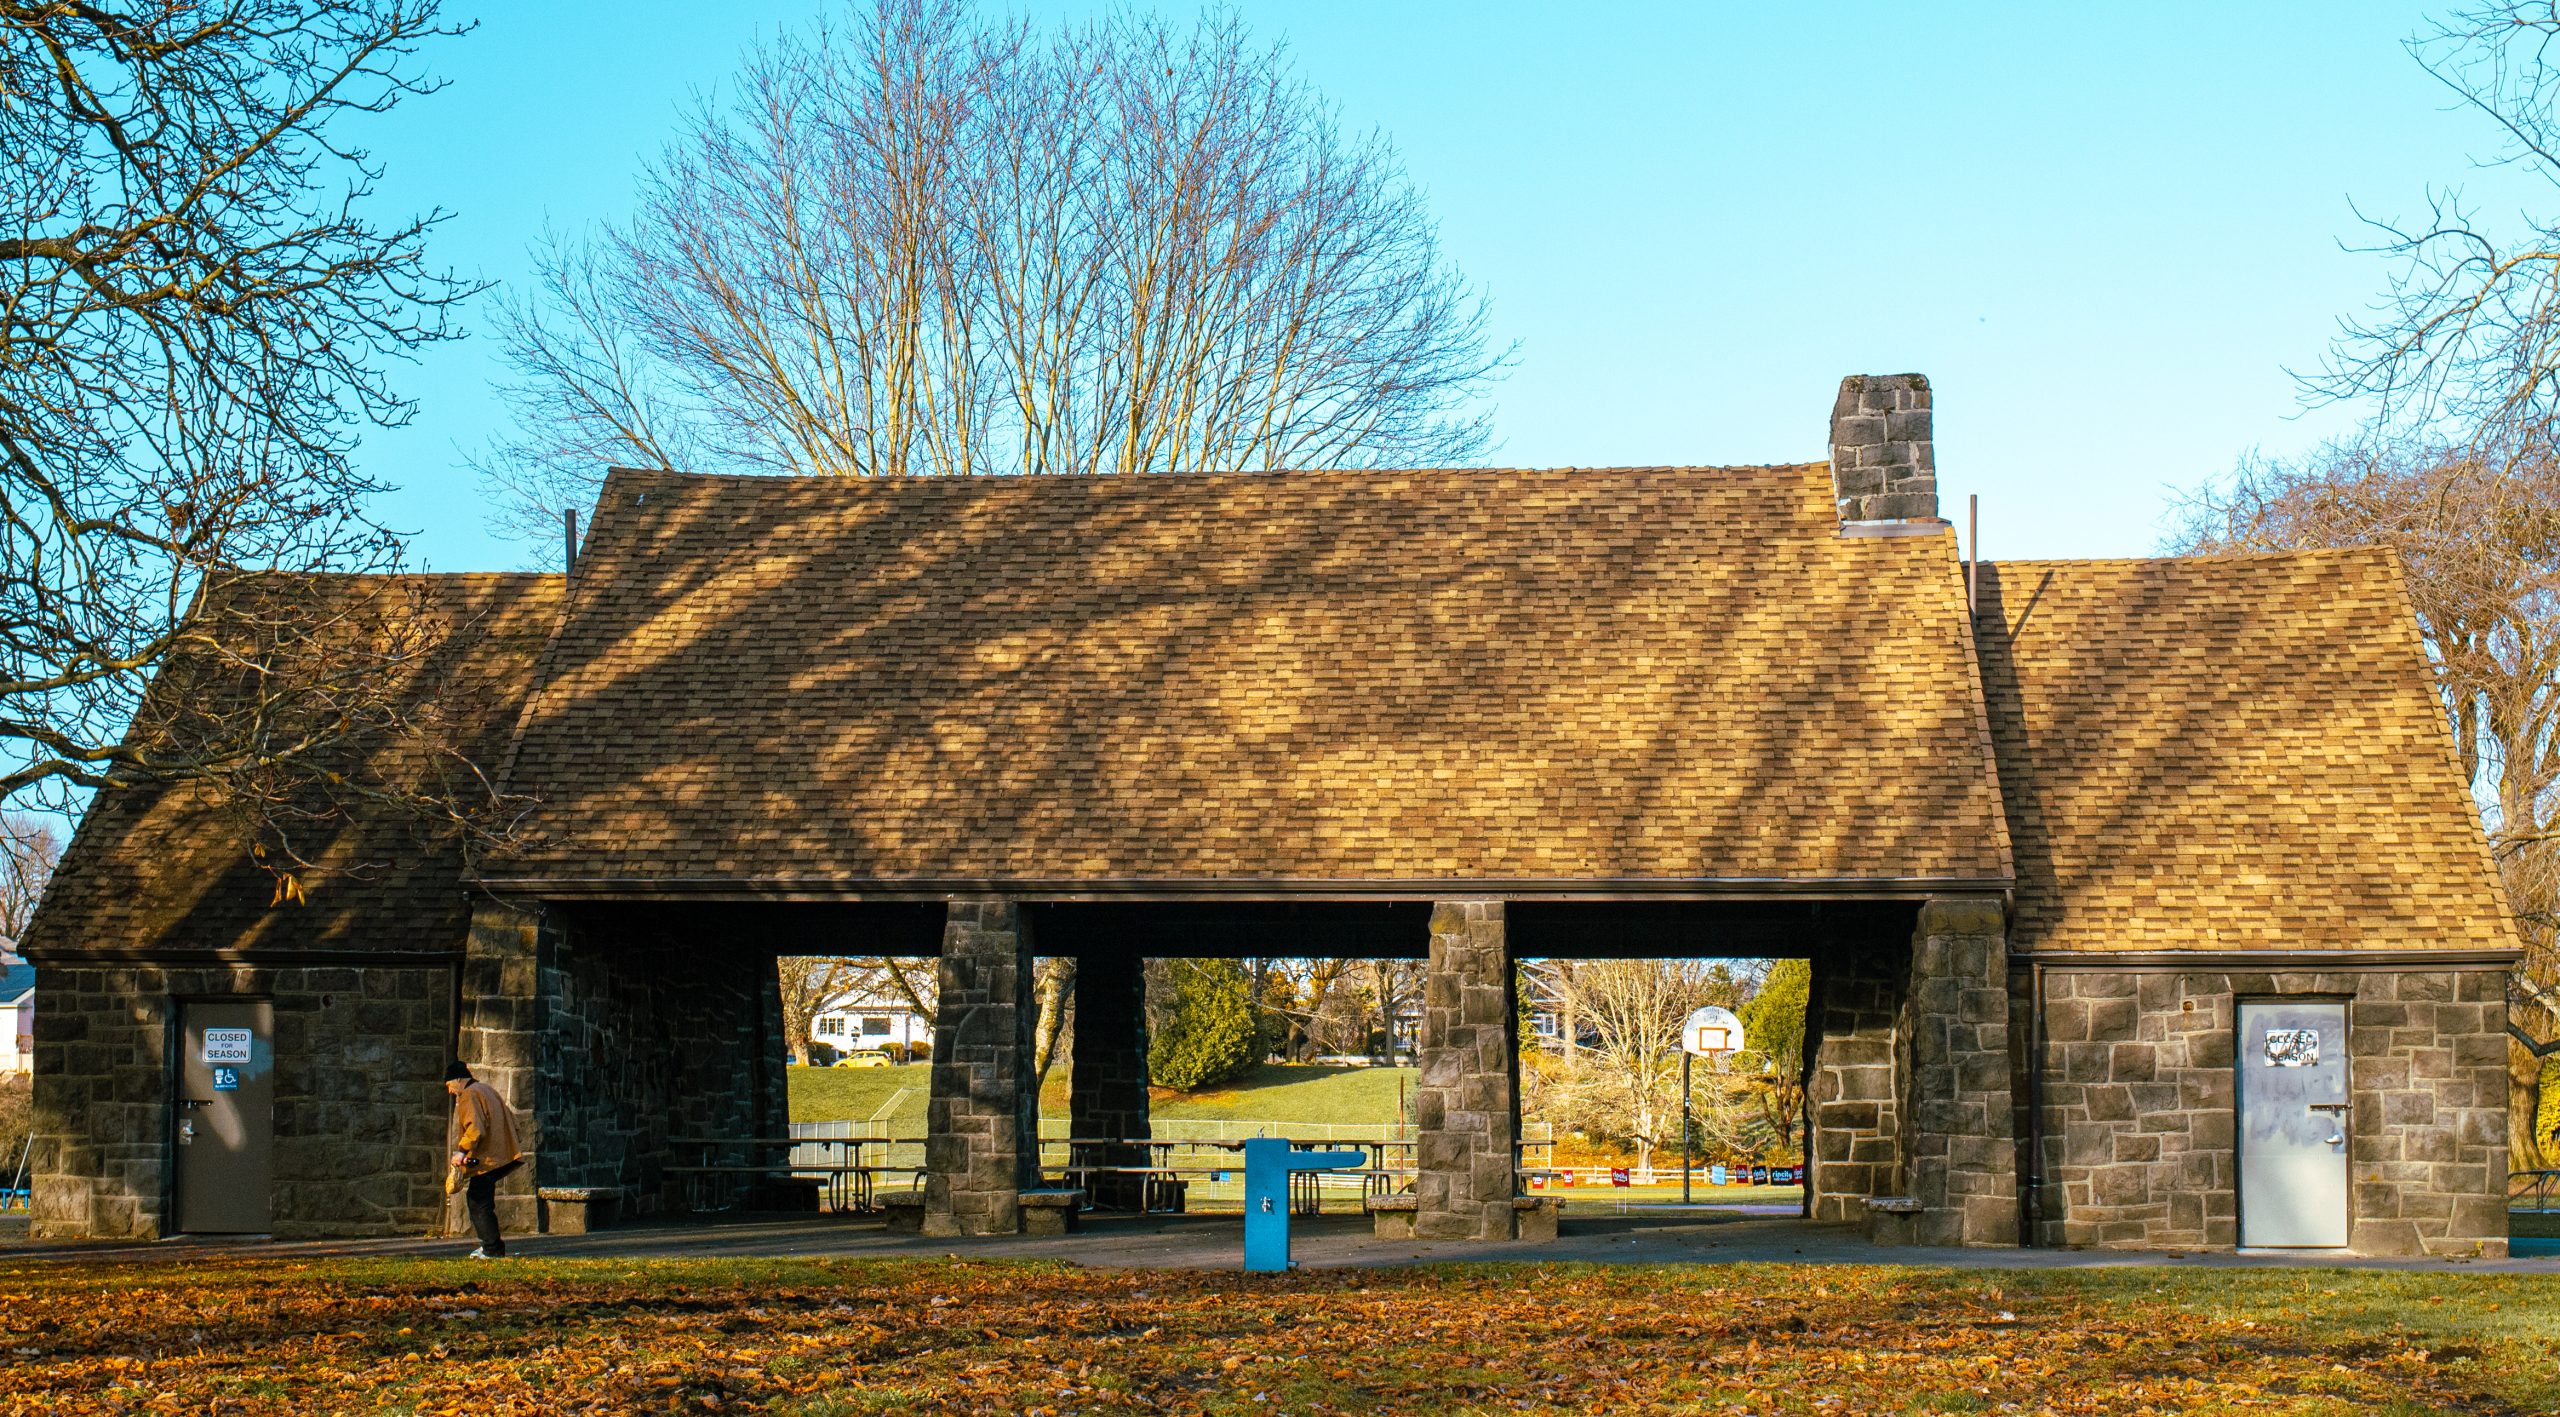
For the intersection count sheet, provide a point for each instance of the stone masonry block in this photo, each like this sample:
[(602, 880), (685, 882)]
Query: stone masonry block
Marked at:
[(1467, 1097), (981, 1147)]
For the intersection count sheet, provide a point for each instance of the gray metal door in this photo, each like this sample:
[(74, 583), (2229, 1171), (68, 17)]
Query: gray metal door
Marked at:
[(2293, 1124), (226, 1116)]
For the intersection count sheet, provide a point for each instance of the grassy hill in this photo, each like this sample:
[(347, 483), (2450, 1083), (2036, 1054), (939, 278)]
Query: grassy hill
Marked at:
[(861, 1094), (1299, 1092), (1277, 1093)]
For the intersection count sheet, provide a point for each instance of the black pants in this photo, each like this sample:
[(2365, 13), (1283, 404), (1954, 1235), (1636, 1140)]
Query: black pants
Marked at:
[(480, 1197)]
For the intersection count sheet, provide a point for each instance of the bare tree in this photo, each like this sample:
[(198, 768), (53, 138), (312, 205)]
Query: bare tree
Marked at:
[(1628, 1083), (29, 850), (811, 982), (1317, 1002), (2479, 533), (2467, 337), (194, 315), (928, 244), (1395, 993)]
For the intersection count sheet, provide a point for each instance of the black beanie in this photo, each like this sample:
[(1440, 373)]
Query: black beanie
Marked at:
[(456, 1072)]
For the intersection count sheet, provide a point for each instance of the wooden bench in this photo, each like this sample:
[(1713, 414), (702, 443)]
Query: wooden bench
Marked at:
[(1050, 1211), (1893, 1220), (575, 1210)]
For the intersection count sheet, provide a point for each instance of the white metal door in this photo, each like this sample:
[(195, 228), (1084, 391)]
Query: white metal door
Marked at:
[(2293, 1124)]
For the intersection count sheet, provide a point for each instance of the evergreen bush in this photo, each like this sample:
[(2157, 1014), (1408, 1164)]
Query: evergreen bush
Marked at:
[(1209, 1033)]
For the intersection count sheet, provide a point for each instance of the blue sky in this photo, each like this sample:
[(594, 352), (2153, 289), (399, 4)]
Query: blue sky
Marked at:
[(2105, 234)]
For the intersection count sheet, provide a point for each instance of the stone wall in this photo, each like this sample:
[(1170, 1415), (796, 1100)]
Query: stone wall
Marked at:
[(610, 1039), (1959, 1147), (1853, 1095), (1883, 461), (981, 1144), (360, 1107), (1107, 1079), (500, 1040), (2138, 1089), (1466, 1104), (649, 1037)]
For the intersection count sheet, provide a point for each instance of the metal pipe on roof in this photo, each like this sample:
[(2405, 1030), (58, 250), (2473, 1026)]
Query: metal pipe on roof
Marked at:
[(1972, 548), (2031, 1182), (569, 560)]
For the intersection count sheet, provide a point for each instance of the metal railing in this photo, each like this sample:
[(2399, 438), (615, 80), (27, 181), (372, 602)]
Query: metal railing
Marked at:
[(2533, 1190), (19, 1194)]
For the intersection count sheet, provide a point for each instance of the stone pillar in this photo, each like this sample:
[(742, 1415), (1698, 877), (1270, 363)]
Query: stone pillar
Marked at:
[(1468, 1102), (1853, 1102), (499, 1037), (1107, 1080), (1960, 1133), (981, 1125)]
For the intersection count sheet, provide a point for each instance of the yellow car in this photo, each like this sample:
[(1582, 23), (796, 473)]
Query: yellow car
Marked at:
[(866, 1058)]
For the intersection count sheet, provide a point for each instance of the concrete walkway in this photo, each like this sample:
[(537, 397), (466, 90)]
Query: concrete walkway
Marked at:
[(1216, 1242)]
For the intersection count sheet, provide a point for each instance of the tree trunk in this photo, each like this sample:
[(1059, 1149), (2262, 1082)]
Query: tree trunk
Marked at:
[(1386, 1012), (1054, 990)]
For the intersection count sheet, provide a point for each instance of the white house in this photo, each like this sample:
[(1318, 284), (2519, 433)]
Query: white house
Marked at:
[(17, 1017), (853, 1023)]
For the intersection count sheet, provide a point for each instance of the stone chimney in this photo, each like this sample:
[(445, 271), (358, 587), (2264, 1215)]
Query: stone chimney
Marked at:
[(1882, 466)]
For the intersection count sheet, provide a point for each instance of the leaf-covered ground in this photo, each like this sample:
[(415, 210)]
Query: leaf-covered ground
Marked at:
[(813, 1337)]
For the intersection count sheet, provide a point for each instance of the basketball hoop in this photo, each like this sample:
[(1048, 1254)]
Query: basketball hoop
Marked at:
[(1711, 1033)]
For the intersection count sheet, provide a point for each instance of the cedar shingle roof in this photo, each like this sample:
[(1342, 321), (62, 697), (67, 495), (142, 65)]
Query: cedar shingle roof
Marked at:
[(2235, 753), (1578, 675), (163, 869)]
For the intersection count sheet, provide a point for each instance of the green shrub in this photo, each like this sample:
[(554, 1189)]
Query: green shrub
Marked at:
[(17, 1113), (1773, 1018), (1209, 1032)]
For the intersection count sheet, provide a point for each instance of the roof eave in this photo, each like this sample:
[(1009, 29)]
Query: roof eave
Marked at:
[(1244, 888)]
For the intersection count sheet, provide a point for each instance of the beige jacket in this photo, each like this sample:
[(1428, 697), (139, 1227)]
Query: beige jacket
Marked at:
[(483, 1129)]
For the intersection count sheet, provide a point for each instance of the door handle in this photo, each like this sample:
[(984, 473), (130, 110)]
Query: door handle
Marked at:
[(2337, 1120)]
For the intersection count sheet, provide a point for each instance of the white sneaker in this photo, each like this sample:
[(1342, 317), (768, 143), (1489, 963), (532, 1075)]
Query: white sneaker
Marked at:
[(484, 1255)]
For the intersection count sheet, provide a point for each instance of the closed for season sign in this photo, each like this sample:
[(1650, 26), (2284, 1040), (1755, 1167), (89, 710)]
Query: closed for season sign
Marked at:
[(226, 1045)]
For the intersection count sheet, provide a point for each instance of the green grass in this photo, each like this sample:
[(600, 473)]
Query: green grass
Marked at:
[(1298, 1092), (858, 1094), (1280, 1094), (334, 1335)]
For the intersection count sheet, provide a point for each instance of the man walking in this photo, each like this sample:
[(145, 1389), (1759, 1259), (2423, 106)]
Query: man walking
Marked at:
[(484, 1152)]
